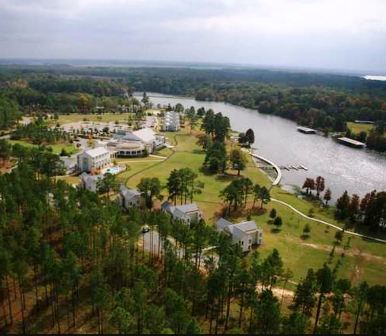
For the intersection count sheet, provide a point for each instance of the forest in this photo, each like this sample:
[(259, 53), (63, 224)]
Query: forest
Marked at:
[(71, 260), (318, 100)]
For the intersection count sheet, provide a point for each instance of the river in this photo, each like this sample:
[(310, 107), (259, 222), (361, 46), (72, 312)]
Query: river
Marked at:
[(344, 168)]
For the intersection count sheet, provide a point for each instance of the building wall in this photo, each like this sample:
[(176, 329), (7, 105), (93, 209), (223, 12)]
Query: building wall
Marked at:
[(134, 201), (188, 218), (87, 163)]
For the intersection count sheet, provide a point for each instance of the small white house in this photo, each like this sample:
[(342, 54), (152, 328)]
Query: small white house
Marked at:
[(129, 197), (95, 158), (245, 233), (90, 182), (187, 212), (171, 122)]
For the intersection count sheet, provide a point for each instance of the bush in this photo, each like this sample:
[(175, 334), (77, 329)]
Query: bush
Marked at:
[(63, 152), (273, 214), (278, 222), (306, 231)]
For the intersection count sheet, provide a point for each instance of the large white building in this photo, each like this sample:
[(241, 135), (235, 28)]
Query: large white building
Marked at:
[(93, 159), (171, 121), (137, 143), (245, 233)]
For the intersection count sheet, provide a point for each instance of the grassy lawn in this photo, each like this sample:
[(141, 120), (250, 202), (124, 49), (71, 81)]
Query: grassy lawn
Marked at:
[(357, 128), (363, 260), (56, 148), (74, 180), (106, 117)]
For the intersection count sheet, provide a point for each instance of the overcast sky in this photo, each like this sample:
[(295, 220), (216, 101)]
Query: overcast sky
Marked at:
[(332, 34)]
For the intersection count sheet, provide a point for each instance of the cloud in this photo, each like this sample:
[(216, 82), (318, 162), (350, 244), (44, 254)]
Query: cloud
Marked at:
[(347, 34)]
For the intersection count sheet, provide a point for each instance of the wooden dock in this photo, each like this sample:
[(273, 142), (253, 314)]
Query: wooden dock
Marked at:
[(294, 167)]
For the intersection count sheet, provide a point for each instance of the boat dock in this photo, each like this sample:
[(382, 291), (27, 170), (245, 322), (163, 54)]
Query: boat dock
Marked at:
[(294, 167), (351, 142), (306, 130)]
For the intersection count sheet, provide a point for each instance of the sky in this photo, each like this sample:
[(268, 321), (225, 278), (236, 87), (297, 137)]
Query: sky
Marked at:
[(324, 34)]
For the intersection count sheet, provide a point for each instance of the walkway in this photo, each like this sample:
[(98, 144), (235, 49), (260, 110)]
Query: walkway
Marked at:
[(278, 171), (326, 223)]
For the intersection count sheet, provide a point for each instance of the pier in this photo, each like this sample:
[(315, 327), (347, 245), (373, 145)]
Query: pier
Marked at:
[(351, 143), (306, 130), (294, 167)]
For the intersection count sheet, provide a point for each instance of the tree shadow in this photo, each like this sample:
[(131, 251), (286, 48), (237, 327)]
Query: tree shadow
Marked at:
[(226, 177), (198, 151), (275, 230)]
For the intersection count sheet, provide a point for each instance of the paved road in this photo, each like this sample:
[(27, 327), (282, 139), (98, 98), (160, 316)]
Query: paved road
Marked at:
[(326, 223)]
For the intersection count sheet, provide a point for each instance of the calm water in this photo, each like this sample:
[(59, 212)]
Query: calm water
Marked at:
[(355, 170)]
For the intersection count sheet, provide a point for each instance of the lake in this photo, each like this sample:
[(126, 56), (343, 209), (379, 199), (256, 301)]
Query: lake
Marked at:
[(344, 168)]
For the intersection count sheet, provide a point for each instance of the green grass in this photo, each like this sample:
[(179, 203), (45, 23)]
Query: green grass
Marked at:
[(357, 128), (300, 254), (106, 117), (360, 261), (56, 148), (133, 168), (73, 180)]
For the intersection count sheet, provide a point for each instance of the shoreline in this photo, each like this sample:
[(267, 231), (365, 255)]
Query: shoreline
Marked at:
[(277, 180)]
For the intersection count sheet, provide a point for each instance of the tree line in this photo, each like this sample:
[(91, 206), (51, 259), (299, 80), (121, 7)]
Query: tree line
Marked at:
[(370, 211)]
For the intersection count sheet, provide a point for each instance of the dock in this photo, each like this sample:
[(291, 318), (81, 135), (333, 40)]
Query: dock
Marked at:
[(351, 142), (368, 122), (294, 167), (306, 130)]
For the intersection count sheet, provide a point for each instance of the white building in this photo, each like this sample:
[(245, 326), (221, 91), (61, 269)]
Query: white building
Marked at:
[(92, 159), (129, 197), (171, 121), (90, 182), (137, 143), (245, 233), (187, 212)]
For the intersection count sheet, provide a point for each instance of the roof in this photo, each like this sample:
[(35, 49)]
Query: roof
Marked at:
[(96, 151), (222, 223), (130, 136), (145, 134), (245, 227), (129, 193), (130, 145), (167, 206), (185, 208), (88, 178)]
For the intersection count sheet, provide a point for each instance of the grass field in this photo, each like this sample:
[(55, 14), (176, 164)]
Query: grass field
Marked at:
[(357, 128), (363, 260), (56, 148), (106, 117)]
